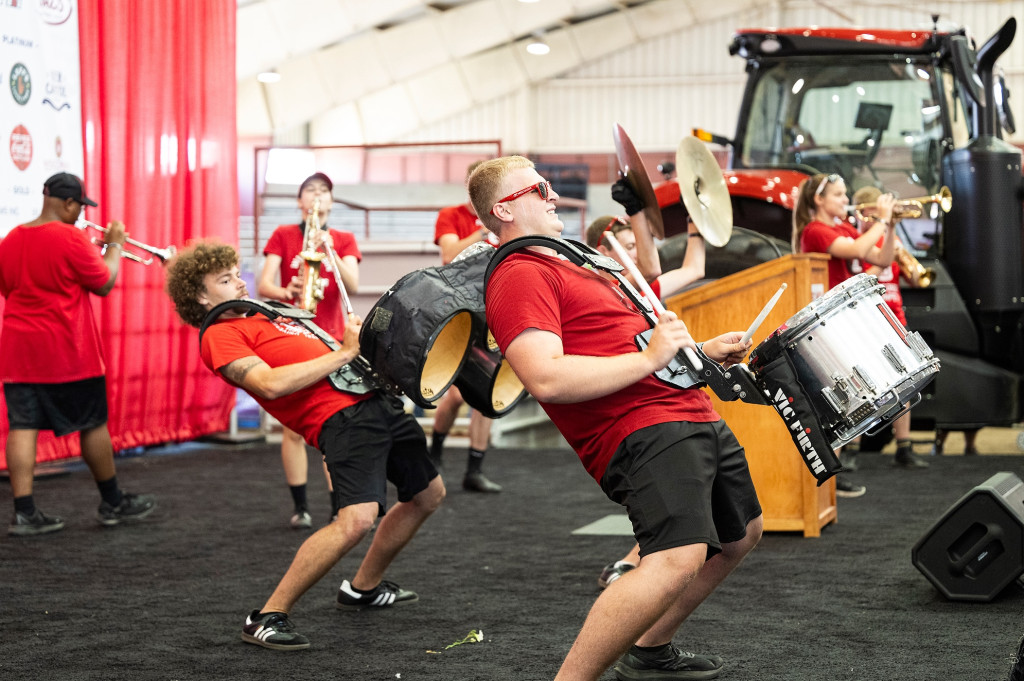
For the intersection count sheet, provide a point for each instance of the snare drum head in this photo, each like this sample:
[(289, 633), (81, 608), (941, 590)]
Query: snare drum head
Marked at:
[(854, 288)]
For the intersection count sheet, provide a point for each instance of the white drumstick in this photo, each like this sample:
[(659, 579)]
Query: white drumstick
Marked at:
[(648, 292), (764, 313)]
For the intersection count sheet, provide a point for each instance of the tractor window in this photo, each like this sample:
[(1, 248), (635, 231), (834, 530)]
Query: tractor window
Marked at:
[(874, 122), (958, 121)]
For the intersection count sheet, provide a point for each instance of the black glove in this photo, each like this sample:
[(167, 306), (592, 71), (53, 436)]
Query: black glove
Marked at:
[(623, 194)]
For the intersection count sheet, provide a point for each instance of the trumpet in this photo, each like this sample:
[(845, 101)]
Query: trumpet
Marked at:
[(912, 270), (905, 208), (164, 254)]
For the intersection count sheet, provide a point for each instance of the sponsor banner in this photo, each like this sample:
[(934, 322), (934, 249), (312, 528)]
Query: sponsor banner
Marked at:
[(40, 102)]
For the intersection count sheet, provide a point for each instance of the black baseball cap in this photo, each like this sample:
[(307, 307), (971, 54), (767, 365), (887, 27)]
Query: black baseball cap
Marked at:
[(67, 186), (317, 176)]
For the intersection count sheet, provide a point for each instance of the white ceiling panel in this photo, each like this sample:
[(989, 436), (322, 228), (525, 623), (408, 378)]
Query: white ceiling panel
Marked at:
[(387, 114), (439, 93), (525, 17), (298, 96), (353, 68), (258, 44), (412, 48), (562, 57), (318, 24), (494, 73), (659, 18), (603, 36), (251, 109), (369, 13), (472, 27), (340, 125)]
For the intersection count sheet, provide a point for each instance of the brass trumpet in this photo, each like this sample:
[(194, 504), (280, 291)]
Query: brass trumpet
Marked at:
[(164, 254), (905, 208), (912, 270)]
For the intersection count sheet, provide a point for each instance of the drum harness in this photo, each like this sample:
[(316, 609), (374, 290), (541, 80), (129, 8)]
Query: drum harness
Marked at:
[(728, 384), (778, 388), (357, 377)]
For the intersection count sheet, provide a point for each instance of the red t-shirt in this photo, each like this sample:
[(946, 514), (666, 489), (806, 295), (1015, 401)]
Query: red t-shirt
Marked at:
[(818, 237), (889, 277), (49, 334), (457, 220), (286, 242), (592, 317), (278, 342)]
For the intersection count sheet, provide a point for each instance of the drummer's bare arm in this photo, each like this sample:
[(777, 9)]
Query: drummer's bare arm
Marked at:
[(727, 348), (552, 376), (647, 260), (349, 267), (260, 379), (268, 287), (451, 245), (692, 268)]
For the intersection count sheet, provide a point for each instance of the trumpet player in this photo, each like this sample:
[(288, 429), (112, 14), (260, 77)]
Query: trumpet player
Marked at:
[(283, 278), (889, 277), (51, 359)]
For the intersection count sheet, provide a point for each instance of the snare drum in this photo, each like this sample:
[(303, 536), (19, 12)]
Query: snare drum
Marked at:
[(856, 362)]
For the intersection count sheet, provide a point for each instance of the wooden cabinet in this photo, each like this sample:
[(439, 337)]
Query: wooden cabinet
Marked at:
[(789, 494)]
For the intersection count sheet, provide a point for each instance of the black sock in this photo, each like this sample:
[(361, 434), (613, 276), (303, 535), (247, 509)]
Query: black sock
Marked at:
[(475, 461), (437, 445), (651, 650), (25, 505), (903, 444), (110, 492), (299, 497)]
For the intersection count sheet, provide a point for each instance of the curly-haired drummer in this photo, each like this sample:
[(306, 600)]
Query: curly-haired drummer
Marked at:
[(366, 439), (660, 451)]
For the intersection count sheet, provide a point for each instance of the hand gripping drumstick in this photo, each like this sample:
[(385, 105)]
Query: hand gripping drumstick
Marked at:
[(764, 313), (659, 309)]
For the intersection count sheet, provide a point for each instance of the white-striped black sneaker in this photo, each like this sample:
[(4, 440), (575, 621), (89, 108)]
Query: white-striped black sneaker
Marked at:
[(272, 630), (384, 595)]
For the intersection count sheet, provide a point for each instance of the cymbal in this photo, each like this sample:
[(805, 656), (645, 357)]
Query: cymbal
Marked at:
[(632, 169), (702, 187)]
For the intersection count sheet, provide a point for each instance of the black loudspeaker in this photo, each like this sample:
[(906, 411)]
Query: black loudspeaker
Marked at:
[(977, 547)]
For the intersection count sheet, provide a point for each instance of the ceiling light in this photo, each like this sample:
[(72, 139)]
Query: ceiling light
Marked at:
[(537, 46), (271, 76)]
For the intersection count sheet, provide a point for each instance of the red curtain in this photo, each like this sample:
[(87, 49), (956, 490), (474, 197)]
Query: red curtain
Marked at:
[(158, 117)]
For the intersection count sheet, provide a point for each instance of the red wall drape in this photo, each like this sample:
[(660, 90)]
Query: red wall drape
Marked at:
[(158, 117)]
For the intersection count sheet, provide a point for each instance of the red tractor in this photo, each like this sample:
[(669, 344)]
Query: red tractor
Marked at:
[(909, 112)]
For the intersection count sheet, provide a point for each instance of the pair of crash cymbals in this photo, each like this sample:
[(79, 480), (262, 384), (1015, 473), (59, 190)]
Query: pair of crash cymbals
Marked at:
[(701, 186)]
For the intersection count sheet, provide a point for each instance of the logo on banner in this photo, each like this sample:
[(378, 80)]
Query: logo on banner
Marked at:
[(11, 3), (21, 147), (21, 83), (56, 91), (55, 11)]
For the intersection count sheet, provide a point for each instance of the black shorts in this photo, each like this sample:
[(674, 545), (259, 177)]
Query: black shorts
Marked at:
[(61, 407), (683, 483), (370, 443)]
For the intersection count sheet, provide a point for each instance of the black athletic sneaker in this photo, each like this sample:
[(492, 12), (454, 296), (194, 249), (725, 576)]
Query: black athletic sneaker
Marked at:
[(38, 523), (671, 664), (272, 630), (132, 507), (613, 571), (385, 595)]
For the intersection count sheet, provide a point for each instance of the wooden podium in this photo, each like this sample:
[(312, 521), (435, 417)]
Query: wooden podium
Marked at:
[(789, 494)]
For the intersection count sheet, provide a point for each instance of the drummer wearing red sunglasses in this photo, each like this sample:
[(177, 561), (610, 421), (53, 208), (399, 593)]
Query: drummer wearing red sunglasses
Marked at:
[(568, 332)]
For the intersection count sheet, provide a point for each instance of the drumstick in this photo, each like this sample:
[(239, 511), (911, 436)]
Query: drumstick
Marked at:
[(764, 313), (659, 309)]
